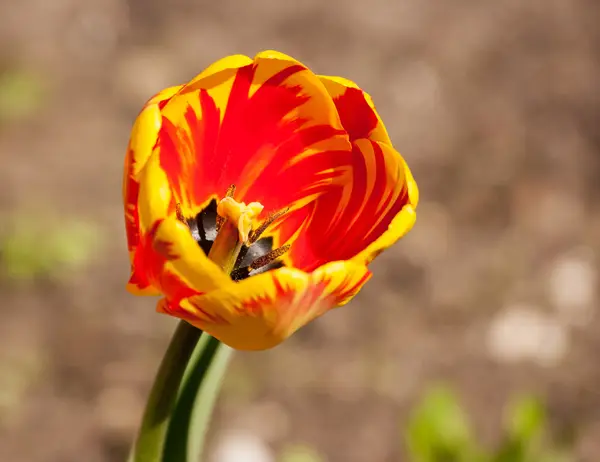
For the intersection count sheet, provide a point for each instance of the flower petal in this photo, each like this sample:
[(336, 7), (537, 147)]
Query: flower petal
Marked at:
[(370, 212), (268, 126), (401, 224), (151, 276), (205, 79), (168, 257), (143, 138), (356, 109), (262, 311)]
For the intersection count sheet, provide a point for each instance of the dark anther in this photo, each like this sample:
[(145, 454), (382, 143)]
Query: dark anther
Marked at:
[(230, 191), (179, 213), (240, 273), (269, 258), (261, 229), (219, 224), (264, 263)]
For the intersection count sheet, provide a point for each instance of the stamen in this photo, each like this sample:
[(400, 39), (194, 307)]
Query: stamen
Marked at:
[(233, 242), (179, 213), (269, 258), (220, 220), (240, 273), (254, 235), (260, 262), (219, 223)]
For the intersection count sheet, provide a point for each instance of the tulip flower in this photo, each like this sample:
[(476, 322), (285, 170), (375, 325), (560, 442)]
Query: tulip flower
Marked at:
[(257, 194)]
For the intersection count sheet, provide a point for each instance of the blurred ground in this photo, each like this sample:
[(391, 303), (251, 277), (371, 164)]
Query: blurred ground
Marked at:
[(496, 107)]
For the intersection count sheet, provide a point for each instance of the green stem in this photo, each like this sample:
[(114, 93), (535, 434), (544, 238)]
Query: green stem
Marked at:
[(163, 396), (197, 398)]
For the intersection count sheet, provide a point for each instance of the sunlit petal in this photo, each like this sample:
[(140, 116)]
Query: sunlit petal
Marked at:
[(269, 127), (143, 138), (305, 190), (357, 110), (262, 311), (162, 229), (344, 222)]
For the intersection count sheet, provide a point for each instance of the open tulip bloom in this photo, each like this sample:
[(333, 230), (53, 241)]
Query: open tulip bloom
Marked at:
[(257, 194)]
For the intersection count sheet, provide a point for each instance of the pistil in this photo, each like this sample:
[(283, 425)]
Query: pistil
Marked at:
[(230, 233), (235, 222), (226, 247)]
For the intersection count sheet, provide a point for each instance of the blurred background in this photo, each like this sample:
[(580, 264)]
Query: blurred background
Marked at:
[(478, 333)]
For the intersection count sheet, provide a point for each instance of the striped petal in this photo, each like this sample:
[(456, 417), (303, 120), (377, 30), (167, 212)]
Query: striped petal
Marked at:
[(374, 203), (287, 139), (143, 138), (262, 311), (267, 125), (170, 260), (356, 109), (374, 208)]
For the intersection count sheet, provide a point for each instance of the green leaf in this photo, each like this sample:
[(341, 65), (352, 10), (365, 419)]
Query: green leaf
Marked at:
[(526, 418), (525, 426), (199, 391), (28, 251), (21, 94), (439, 430), (300, 453)]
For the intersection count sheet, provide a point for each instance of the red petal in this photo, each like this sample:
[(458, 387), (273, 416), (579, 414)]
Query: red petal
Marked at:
[(261, 311), (143, 138), (358, 118), (357, 111), (151, 273), (346, 220), (271, 129)]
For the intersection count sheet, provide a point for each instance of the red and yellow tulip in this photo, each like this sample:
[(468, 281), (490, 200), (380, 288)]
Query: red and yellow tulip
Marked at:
[(257, 194)]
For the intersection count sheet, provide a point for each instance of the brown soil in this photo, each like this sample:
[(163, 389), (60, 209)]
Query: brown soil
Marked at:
[(495, 105)]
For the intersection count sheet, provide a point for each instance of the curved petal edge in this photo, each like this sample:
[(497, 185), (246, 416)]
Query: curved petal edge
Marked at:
[(260, 312)]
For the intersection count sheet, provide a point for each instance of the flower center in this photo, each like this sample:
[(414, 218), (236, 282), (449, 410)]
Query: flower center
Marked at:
[(229, 232)]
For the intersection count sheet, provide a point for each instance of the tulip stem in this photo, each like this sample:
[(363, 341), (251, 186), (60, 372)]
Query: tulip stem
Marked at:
[(197, 397), (163, 396)]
